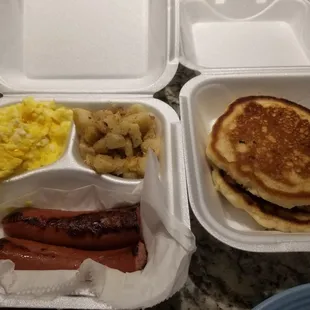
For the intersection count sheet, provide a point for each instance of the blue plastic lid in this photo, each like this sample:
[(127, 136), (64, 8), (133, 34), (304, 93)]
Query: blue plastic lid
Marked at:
[(296, 298)]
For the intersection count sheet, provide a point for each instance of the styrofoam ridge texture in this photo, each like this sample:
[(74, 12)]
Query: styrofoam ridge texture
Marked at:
[(203, 100), (88, 46), (70, 173), (220, 34)]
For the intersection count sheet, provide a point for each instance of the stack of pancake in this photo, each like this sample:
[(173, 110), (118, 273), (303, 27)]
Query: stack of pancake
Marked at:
[(259, 150)]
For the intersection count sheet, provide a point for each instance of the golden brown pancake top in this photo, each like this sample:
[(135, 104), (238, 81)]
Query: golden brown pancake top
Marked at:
[(274, 140)]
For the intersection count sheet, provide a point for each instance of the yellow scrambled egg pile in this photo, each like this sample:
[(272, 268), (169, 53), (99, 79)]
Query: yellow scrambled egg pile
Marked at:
[(32, 134)]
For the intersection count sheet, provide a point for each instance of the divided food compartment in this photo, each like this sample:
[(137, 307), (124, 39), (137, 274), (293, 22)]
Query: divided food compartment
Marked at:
[(71, 168), (242, 48), (89, 55)]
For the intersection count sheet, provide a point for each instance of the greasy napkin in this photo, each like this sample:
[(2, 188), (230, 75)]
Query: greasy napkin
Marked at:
[(169, 243)]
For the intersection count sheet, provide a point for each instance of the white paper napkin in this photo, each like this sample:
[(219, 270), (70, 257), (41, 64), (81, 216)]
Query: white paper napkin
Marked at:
[(169, 243)]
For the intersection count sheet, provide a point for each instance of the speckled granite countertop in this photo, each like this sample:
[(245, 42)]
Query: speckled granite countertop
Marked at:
[(222, 278)]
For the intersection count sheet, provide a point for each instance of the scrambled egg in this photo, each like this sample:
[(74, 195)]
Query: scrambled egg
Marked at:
[(32, 134)]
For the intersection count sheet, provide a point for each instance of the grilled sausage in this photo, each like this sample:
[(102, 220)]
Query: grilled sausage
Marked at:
[(31, 255), (97, 230)]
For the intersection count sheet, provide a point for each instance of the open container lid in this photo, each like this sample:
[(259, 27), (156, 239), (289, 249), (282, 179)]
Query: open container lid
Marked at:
[(78, 46), (224, 35)]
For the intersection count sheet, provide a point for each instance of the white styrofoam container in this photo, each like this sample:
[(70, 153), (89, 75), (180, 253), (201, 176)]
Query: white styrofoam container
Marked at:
[(97, 46), (224, 35), (241, 48), (88, 54)]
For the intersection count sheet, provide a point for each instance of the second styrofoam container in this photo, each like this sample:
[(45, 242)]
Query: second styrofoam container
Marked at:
[(241, 48), (203, 100)]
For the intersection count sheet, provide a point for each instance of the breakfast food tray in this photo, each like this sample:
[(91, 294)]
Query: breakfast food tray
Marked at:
[(241, 48), (89, 55)]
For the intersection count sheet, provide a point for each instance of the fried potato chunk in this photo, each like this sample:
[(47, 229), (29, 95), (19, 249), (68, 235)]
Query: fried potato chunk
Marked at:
[(116, 140)]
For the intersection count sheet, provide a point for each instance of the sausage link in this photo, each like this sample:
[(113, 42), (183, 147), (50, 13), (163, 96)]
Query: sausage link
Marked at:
[(99, 230), (31, 255)]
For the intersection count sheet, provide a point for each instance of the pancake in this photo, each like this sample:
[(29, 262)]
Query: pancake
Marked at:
[(263, 143), (263, 212)]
